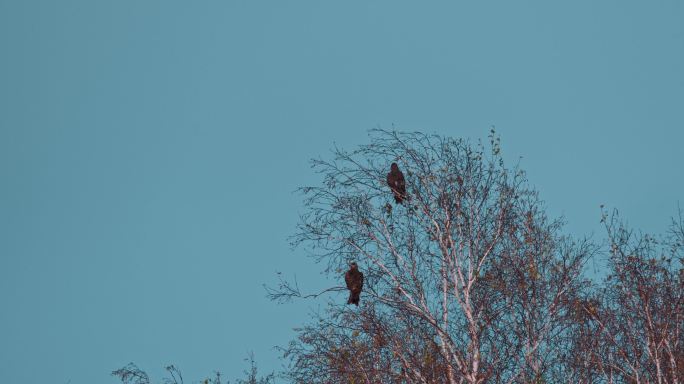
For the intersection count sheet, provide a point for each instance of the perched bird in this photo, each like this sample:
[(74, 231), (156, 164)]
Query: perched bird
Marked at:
[(396, 182), (354, 280)]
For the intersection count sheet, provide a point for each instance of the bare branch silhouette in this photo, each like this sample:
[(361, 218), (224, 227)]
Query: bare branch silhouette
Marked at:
[(467, 280)]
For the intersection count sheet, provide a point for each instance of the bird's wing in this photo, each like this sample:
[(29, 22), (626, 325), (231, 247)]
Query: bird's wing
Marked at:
[(348, 280)]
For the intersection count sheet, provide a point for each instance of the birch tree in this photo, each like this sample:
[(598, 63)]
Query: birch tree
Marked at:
[(634, 327), (468, 279)]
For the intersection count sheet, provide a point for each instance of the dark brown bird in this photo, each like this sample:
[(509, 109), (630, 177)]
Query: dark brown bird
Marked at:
[(396, 182), (354, 280)]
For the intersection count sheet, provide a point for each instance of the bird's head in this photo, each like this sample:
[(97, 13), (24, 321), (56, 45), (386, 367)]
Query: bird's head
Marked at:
[(353, 265), (394, 167)]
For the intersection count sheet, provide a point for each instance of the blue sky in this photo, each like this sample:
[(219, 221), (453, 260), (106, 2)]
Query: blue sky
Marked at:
[(149, 150)]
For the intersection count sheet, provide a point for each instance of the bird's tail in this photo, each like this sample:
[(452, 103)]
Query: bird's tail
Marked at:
[(398, 198)]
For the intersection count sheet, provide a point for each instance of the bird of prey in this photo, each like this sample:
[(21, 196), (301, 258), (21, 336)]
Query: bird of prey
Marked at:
[(354, 280), (396, 182)]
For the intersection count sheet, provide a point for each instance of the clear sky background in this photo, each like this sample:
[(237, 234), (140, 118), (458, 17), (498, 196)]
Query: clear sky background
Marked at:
[(149, 150)]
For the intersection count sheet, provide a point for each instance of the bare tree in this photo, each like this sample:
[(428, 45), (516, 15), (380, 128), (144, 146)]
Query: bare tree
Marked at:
[(132, 374), (469, 271), (252, 375), (634, 328)]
